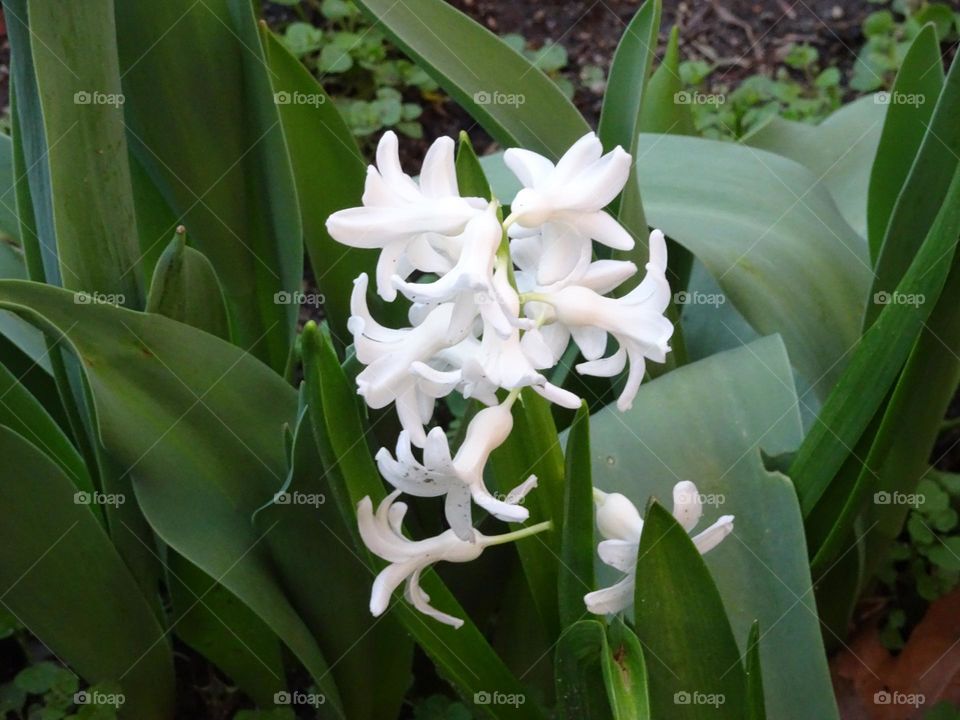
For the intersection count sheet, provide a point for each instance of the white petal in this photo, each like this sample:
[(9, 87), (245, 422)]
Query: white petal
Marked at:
[(456, 509), (386, 582), (617, 517), (613, 599), (620, 554), (591, 340), (607, 367), (711, 537), (421, 601), (438, 176), (600, 226), (529, 167), (687, 508), (558, 396)]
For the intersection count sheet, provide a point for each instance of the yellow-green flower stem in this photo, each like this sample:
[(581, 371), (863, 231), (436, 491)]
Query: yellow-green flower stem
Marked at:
[(518, 534)]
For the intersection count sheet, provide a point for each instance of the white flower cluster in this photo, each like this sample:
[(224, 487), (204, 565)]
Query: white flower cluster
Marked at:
[(492, 305)]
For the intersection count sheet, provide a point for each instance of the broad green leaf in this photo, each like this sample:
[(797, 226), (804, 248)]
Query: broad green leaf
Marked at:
[(731, 405), (839, 152), (776, 244), (694, 663), (80, 113), (625, 673), (65, 582), (911, 103), (211, 620), (664, 110), (510, 97), (329, 172), (23, 414), (580, 683), (925, 191), (202, 460), (877, 359), (213, 144), (533, 448), (207, 616), (313, 551), (576, 543), (462, 656), (185, 288)]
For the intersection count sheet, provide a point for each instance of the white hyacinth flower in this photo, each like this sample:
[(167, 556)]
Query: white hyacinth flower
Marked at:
[(570, 194), (402, 217), (382, 533), (389, 354), (620, 524), (635, 320), (459, 478)]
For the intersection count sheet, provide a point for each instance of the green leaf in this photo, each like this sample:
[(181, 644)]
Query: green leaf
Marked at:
[(185, 288), (877, 359), (839, 152), (663, 110), (21, 413), (312, 549), (211, 620), (66, 584), (200, 460), (756, 708), (580, 683), (900, 451), (920, 76), (620, 119), (470, 177), (734, 403), (789, 266), (213, 144), (462, 656), (629, 70), (533, 448), (302, 38), (9, 220), (924, 193), (625, 673), (512, 100), (77, 83), (329, 173), (577, 543), (695, 669)]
